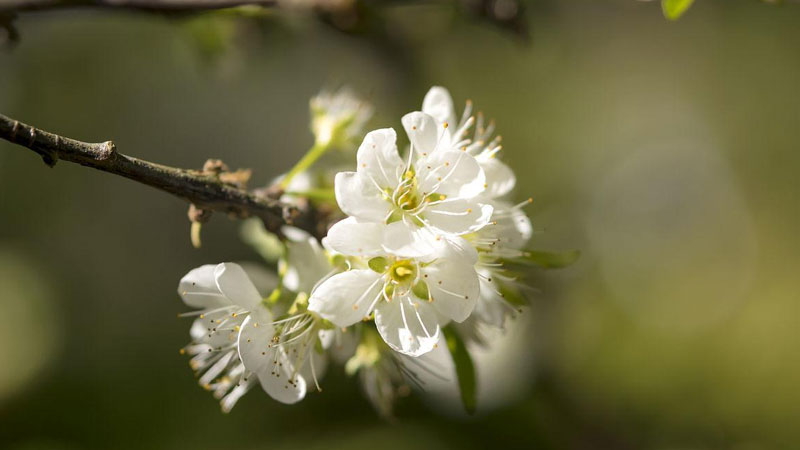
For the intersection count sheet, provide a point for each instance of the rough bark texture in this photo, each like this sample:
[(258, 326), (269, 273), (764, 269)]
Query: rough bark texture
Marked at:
[(205, 189)]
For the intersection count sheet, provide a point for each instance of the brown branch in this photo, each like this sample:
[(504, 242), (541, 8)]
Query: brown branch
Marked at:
[(174, 6), (208, 190)]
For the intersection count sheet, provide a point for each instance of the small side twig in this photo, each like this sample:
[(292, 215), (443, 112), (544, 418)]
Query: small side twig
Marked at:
[(207, 190)]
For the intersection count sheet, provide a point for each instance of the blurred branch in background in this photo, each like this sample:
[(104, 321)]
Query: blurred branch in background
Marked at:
[(213, 189), (351, 16), (143, 5)]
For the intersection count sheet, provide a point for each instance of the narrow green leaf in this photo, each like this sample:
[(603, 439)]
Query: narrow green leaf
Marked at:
[(465, 370), (674, 9), (552, 260)]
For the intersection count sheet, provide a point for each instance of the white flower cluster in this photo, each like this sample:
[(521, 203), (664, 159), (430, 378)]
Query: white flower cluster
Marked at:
[(424, 244)]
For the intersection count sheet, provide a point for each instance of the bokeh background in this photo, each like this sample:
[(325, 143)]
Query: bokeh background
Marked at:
[(667, 152)]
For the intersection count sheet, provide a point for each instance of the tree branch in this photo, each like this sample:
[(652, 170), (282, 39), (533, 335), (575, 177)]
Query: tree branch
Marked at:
[(142, 5), (207, 190)]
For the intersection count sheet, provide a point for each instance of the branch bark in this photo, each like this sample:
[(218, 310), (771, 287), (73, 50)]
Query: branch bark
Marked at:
[(174, 6), (203, 189)]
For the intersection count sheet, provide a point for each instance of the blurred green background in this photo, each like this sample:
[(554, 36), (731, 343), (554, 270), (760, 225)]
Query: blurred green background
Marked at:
[(666, 151)]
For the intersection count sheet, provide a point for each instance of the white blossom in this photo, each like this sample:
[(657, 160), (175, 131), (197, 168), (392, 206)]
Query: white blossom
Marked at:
[(410, 297), (224, 298), (338, 117), (237, 340), (421, 199), (500, 179)]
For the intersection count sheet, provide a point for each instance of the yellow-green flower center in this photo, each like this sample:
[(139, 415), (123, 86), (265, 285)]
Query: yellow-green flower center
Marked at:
[(403, 271)]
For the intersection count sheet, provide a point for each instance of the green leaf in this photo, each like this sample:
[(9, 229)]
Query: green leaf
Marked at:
[(465, 370), (674, 9), (552, 260)]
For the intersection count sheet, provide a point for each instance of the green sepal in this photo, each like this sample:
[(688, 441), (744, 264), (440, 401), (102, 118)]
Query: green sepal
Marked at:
[(512, 295), (421, 290), (378, 264), (551, 260)]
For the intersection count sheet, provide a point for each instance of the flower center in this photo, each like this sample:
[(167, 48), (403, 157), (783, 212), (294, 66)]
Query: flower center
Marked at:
[(406, 197), (403, 272)]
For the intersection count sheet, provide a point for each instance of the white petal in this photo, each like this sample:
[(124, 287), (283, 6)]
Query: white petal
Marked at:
[(452, 173), (233, 282), (409, 241), (378, 160), (307, 262), (345, 298), (491, 308), (439, 104), (454, 286), (255, 336), (269, 363), (500, 179), (319, 369), (354, 238), (198, 289), (408, 325), (459, 248), (204, 330), (423, 132), (513, 228), (458, 216), (278, 384), (263, 279), (359, 197)]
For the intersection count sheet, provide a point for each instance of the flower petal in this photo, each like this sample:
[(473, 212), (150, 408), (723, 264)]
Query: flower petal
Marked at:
[(439, 104), (270, 363), (500, 179), (354, 238), (408, 325), (452, 173), (306, 262), (423, 132), (454, 286), (458, 216), (378, 159), (358, 197), (491, 308), (459, 248), (512, 229), (345, 298), (233, 282), (205, 331), (262, 278), (198, 289), (409, 241)]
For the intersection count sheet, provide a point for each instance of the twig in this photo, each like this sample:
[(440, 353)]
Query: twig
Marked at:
[(207, 190), (142, 5)]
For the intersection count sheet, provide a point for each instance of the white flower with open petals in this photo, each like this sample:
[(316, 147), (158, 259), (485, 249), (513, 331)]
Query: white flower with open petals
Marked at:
[(411, 298), (236, 340), (430, 195), (224, 297), (504, 238), (499, 178)]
